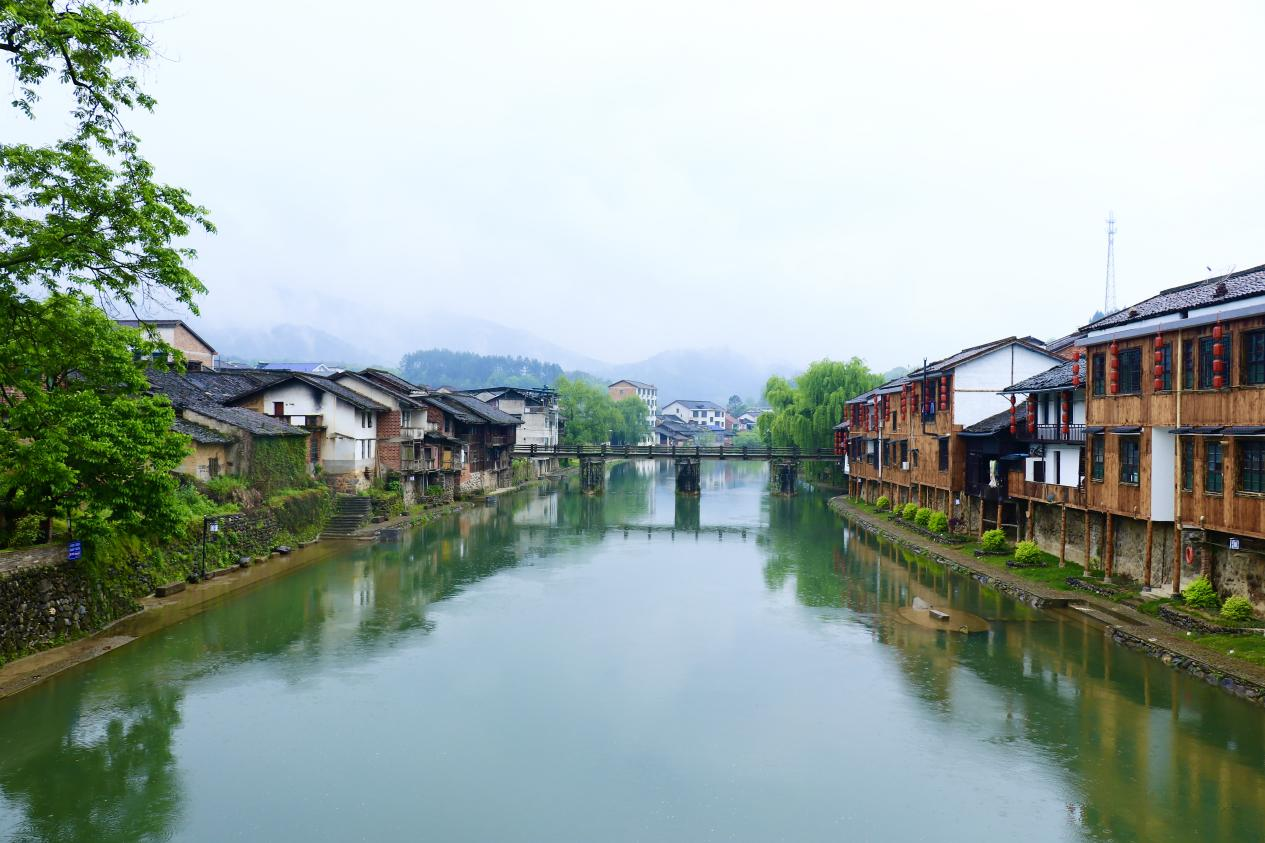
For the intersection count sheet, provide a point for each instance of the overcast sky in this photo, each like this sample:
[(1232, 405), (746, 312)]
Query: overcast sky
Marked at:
[(801, 180)]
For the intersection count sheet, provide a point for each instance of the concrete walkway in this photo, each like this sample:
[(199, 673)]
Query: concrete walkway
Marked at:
[(1126, 625)]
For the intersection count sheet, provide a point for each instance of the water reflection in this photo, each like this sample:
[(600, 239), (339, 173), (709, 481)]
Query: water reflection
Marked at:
[(115, 751)]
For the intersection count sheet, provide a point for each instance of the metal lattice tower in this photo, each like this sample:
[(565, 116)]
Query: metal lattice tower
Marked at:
[(1109, 298)]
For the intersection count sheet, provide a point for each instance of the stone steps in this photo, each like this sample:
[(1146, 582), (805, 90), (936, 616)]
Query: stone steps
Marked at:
[(351, 512)]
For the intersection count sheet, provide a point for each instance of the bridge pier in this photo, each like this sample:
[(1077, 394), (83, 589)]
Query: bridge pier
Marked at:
[(784, 475), (593, 475), (687, 473)]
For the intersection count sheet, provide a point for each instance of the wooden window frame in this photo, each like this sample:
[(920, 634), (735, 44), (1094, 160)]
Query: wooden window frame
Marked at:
[(1205, 361), (1188, 464), (1250, 451), (1097, 457), (1130, 371), (1131, 472), (1253, 371), (1212, 487), (1098, 374)]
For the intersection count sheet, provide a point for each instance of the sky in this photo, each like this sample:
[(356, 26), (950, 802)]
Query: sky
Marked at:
[(799, 180)]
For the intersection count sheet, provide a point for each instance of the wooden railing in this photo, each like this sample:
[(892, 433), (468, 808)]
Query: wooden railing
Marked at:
[(1052, 433), (705, 452)]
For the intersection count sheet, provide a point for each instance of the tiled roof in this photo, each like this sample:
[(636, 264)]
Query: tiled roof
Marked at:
[(634, 384), (400, 395), (324, 384), (200, 434), (483, 409), (255, 423), (163, 323), (392, 380), (691, 404), (1057, 377), (1206, 293), (976, 351)]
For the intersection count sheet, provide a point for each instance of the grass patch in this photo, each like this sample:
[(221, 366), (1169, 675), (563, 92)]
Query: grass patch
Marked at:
[(1249, 648)]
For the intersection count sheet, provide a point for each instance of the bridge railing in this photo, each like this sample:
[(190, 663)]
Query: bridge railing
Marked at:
[(721, 452)]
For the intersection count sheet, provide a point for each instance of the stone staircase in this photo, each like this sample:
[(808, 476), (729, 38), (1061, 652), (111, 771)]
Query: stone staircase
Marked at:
[(351, 512)]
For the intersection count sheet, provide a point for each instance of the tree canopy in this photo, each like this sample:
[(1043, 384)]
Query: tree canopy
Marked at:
[(85, 217), (467, 370), (804, 412), (591, 417)]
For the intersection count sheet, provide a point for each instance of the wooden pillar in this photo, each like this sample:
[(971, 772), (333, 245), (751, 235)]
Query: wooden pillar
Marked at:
[(1109, 550), (1063, 535), (1032, 527), (998, 513), (1146, 563), (1086, 541), (1177, 560)]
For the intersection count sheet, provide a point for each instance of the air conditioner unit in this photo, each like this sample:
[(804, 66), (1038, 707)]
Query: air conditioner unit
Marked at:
[(904, 466)]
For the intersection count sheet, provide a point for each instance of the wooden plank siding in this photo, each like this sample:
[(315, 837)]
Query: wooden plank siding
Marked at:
[(1239, 403)]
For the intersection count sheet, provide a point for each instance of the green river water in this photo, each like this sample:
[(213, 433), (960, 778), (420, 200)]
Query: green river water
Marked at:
[(531, 670)]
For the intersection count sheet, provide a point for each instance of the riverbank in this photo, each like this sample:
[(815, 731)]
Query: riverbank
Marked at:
[(1126, 626)]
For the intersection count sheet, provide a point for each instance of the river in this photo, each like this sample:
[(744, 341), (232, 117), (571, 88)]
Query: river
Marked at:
[(629, 667)]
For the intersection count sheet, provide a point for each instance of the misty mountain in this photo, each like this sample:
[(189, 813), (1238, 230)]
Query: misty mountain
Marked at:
[(289, 343), (464, 369)]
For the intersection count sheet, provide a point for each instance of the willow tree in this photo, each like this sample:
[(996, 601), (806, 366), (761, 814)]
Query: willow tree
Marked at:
[(806, 410), (83, 217)]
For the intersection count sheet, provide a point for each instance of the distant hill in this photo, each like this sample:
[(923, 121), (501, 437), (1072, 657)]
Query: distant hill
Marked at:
[(464, 369), (290, 343)]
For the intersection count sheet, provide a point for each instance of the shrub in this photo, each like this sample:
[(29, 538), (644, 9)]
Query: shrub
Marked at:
[(224, 488), (993, 541), (1201, 594), (434, 491), (1027, 553), (910, 510), (922, 516), (882, 503), (938, 522), (1237, 608), (27, 531)]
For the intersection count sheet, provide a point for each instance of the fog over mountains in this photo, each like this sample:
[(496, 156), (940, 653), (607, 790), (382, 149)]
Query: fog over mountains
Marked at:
[(712, 374)]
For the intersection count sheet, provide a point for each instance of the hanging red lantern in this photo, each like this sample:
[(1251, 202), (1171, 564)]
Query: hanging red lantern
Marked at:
[(1217, 349), (1032, 413), (1067, 412), (944, 392), (1115, 348), (1217, 331), (1076, 372), (1013, 428), (1218, 381), (1218, 366)]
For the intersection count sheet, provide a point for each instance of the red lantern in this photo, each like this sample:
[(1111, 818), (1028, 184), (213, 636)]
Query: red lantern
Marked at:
[(1217, 331), (1159, 340), (1076, 372), (1218, 367), (1115, 348), (1218, 381), (1032, 413), (1217, 349)]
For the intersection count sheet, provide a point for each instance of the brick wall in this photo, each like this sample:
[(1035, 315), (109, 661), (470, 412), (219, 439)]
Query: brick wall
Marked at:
[(389, 451)]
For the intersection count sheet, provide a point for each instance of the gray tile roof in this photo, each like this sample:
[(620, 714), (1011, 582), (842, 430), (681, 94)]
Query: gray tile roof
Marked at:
[(324, 384), (1057, 377), (198, 433), (482, 409), (1206, 293), (255, 423), (201, 392), (1000, 421), (974, 351), (691, 404)]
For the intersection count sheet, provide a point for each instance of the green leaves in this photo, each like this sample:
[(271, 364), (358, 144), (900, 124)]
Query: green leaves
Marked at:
[(590, 416), (806, 412), (80, 435)]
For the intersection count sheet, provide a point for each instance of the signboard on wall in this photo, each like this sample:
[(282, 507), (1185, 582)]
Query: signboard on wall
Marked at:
[(74, 550)]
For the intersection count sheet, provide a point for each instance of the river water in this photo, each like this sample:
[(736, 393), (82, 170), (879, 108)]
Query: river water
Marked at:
[(630, 667)]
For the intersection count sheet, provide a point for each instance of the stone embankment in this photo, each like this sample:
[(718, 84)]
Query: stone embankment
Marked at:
[(1140, 632)]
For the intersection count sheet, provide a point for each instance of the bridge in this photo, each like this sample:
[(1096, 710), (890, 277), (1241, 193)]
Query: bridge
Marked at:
[(784, 461)]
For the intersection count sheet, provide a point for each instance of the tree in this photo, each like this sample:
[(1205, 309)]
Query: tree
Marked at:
[(86, 211), (631, 427), (85, 216), (804, 413), (736, 406), (81, 436), (588, 413)]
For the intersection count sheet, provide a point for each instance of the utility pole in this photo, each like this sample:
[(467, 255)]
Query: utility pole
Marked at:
[(1109, 298)]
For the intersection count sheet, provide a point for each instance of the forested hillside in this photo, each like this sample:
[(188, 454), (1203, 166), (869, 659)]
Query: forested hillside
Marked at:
[(465, 370)]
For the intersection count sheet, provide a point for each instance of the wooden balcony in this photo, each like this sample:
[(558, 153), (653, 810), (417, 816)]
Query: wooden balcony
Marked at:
[(1045, 492), (1052, 434)]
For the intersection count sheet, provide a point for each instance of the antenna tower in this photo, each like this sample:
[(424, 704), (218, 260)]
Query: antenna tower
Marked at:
[(1109, 298)]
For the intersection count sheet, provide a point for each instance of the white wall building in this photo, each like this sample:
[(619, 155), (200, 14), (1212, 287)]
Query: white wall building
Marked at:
[(704, 413)]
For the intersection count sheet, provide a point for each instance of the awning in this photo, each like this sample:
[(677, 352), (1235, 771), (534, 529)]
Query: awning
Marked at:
[(439, 437), (1245, 430), (1094, 429), (1196, 430), (1127, 430)]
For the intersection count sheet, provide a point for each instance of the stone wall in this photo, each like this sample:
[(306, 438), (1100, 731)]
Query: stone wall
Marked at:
[(1130, 551), (49, 602), (1239, 571)]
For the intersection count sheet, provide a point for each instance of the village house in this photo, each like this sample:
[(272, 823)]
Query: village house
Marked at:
[(537, 409), (198, 353), (701, 413), (342, 422), (488, 436), (1175, 431), (904, 437), (670, 430), (224, 438), (648, 394)]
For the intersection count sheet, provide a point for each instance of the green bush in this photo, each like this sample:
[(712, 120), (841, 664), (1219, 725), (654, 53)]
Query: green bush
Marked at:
[(938, 522), (222, 488), (882, 503), (434, 491), (922, 516), (1027, 553), (27, 531), (993, 541), (1201, 594), (1237, 608), (910, 510)]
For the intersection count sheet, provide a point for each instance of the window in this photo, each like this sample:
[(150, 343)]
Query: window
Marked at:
[(1058, 466), (1166, 364), (944, 454), (1214, 480), (1100, 374), (1131, 371), (1205, 361), (1038, 471), (915, 457), (1251, 464), (1097, 453), (904, 452), (1129, 460), (1254, 358), (1188, 464), (278, 408)]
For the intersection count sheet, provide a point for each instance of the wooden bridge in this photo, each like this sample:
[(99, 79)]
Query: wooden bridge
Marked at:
[(784, 461)]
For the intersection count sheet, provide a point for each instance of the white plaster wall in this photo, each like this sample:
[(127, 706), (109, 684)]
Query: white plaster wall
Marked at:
[(975, 383), (1069, 465), (1163, 474)]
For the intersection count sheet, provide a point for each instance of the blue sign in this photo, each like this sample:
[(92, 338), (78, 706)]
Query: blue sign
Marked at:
[(74, 550)]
